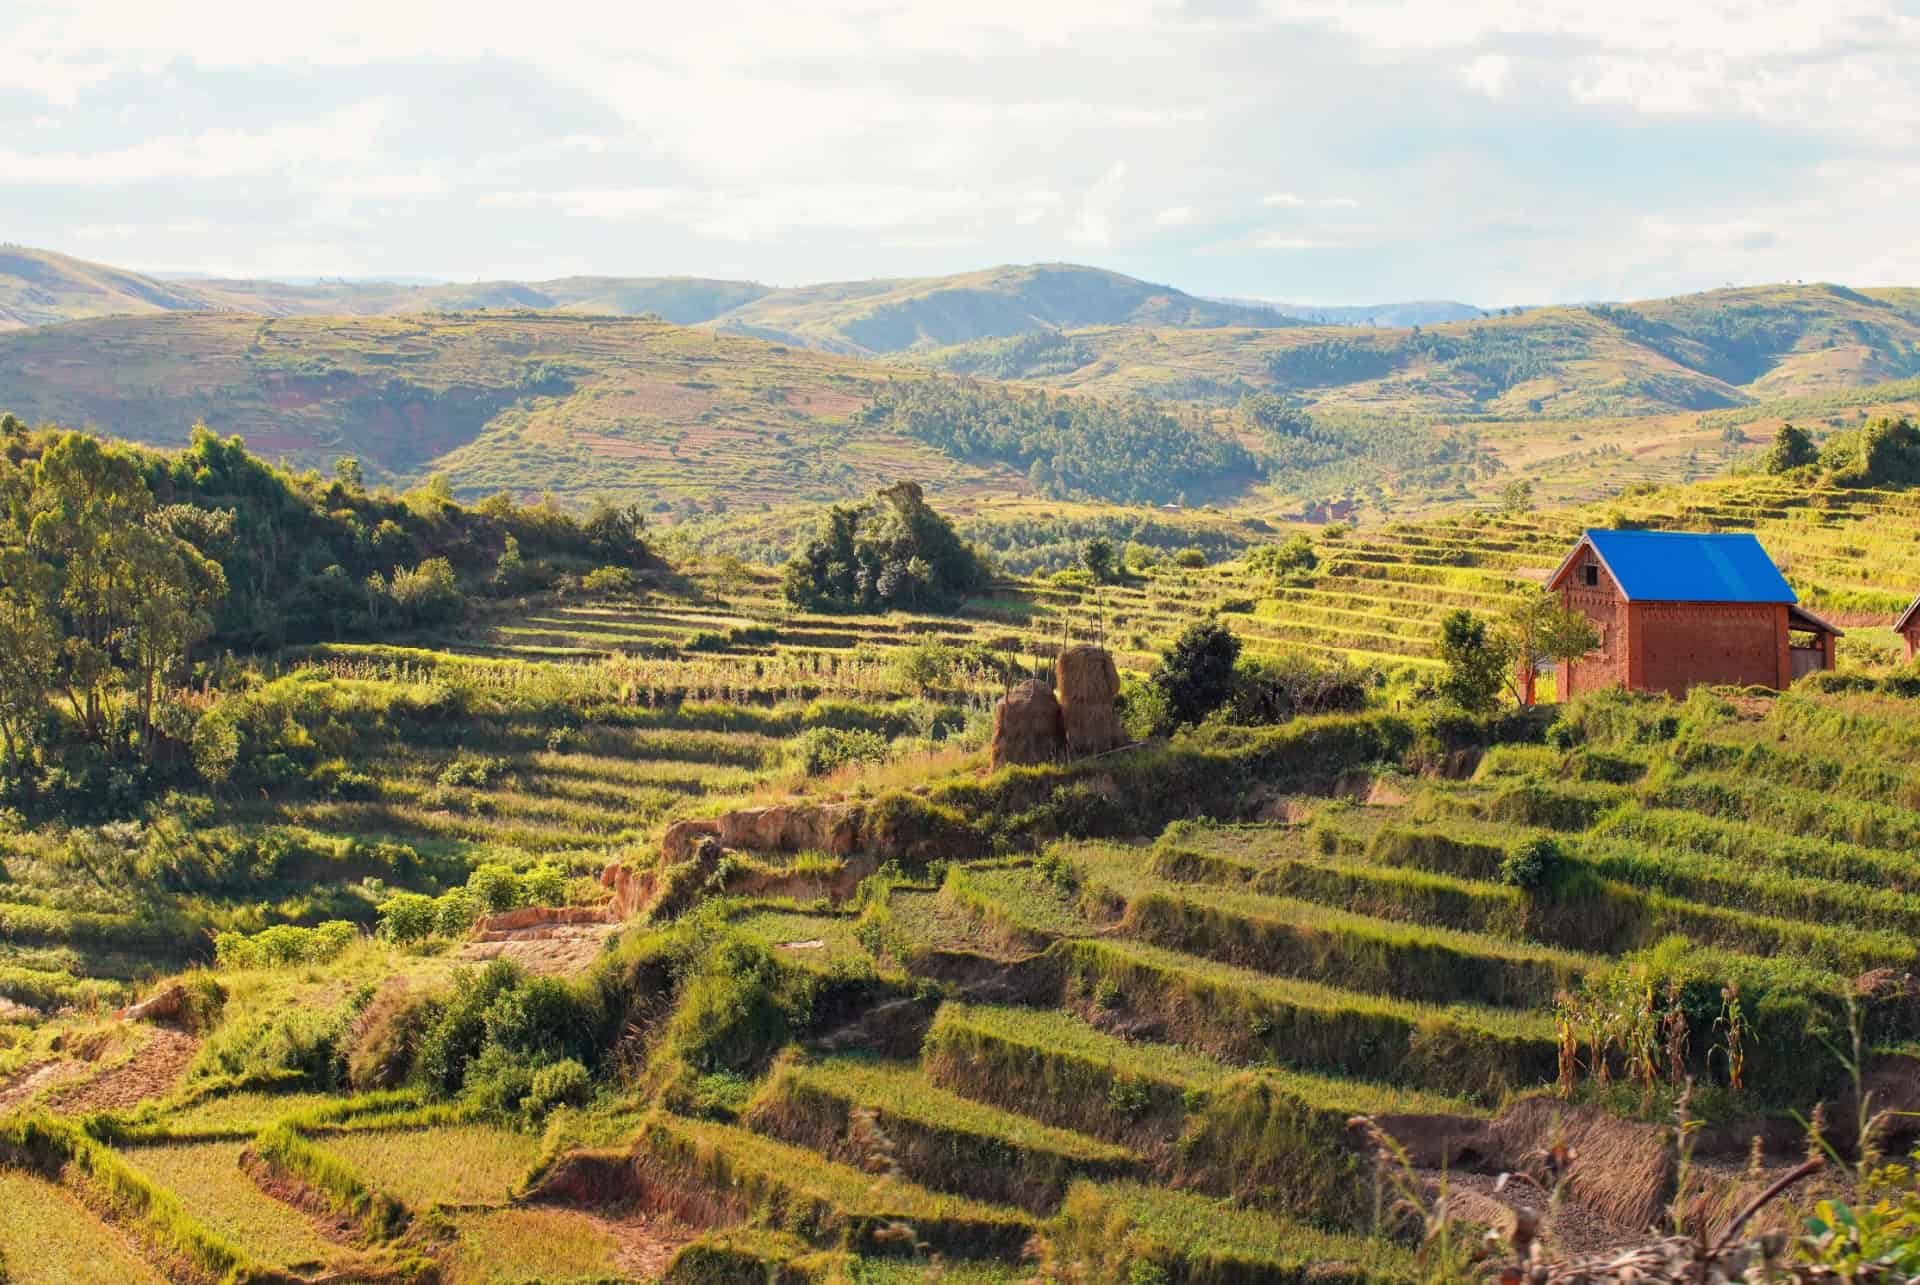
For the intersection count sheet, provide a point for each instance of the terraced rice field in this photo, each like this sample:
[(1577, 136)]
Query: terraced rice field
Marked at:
[(472, 1164), (49, 1238), (208, 1181)]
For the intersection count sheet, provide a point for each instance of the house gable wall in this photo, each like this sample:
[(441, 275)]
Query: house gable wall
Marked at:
[(1603, 604)]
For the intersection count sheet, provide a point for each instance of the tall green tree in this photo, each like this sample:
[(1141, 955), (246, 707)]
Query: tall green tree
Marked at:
[(1477, 659), (95, 568), (1195, 676)]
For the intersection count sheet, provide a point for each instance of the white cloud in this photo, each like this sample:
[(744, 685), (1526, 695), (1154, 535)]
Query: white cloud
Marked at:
[(1175, 216), (211, 154), (1285, 199), (1287, 241), (1093, 226), (1487, 73)]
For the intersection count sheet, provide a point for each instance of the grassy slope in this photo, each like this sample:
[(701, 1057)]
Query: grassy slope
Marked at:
[(528, 402), (39, 287)]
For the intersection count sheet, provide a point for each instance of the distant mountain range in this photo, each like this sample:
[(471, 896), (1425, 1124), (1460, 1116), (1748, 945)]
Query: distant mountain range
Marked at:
[(1419, 312), (862, 318)]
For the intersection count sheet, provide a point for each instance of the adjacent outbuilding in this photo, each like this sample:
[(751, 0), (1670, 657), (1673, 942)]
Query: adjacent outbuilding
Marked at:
[(1908, 627), (1679, 609)]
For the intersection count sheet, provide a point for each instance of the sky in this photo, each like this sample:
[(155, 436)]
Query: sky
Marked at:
[(1323, 151)]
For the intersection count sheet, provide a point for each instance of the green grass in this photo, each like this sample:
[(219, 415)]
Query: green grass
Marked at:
[(207, 1180), (469, 1164), (1116, 1227), (796, 1189), (49, 1238), (512, 1246)]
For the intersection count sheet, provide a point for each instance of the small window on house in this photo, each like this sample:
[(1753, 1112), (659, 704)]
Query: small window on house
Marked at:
[(1593, 575)]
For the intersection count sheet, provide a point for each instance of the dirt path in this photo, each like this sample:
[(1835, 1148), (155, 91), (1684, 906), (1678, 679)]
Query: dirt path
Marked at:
[(648, 1242)]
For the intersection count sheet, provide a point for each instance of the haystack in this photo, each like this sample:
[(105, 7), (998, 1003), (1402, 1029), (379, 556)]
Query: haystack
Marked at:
[(1027, 726), (1087, 684)]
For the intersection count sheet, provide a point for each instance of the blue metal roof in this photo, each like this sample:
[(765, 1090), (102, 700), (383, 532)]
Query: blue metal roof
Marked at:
[(1685, 566)]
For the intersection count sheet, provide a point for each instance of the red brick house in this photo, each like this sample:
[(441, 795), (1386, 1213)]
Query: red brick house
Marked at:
[(1908, 627), (1679, 609)]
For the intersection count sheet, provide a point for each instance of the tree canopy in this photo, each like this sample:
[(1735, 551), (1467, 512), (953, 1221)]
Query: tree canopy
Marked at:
[(1129, 451), (892, 551)]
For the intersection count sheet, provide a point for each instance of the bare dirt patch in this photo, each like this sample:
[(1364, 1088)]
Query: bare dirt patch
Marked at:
[(549, 950), (149, 1073)]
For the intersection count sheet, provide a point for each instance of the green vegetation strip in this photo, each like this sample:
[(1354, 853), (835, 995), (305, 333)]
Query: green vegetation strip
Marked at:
[(798, 1190), (935, 1137), (1126, 1231)]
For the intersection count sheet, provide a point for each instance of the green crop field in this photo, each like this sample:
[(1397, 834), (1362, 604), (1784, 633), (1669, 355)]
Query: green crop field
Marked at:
[(591, 908)]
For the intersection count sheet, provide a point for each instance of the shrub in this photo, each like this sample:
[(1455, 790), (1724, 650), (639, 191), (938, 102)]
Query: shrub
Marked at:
[(544, 885), (454, 912), (284, 944), (563, 1083), (386, 1038), (407, 917), (1533, 864), (1190, 557), (893, 551), (471, 771), (495, 886), (610, 580), (1477, 661), (1293, 557), (1196, 674), (820, 750)]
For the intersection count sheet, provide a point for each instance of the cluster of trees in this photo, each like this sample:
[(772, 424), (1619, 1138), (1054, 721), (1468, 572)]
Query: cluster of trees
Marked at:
[(103, 593), (1030, 356), (120, 565), (1885, 452), (1484, 658), (892, 551), (1491, 356), (1071, 447)]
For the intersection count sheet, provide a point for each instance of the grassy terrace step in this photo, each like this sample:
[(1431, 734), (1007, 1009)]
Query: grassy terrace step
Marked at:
[(1242, 1015), (802, 1192), (935, 1137), (1305, 939), (1807, 813), (1112, 1229), (1199, 1121), (207, 1180), (47, 1237), (1642, 896), (1759, 846)]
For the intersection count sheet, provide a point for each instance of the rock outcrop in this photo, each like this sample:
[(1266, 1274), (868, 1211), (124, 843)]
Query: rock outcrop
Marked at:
[(832, 828), (1027, 726), (1086, 685)]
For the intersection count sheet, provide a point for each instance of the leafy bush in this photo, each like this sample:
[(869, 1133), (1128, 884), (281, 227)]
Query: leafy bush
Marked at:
[(1533, 864), (1196, 676), (820, 750), (495, 886), (1477, 661), (284, 944), (1293, 557), (610, 580), (563, 1083), (407, 917), (1273, 689)]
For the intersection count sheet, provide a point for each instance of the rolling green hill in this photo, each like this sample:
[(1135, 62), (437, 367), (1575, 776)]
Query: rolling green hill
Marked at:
[(1691, 353), (39, 287)]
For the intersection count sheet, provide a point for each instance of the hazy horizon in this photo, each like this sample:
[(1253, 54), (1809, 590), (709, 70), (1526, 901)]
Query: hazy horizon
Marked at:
[(1305, 151)]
